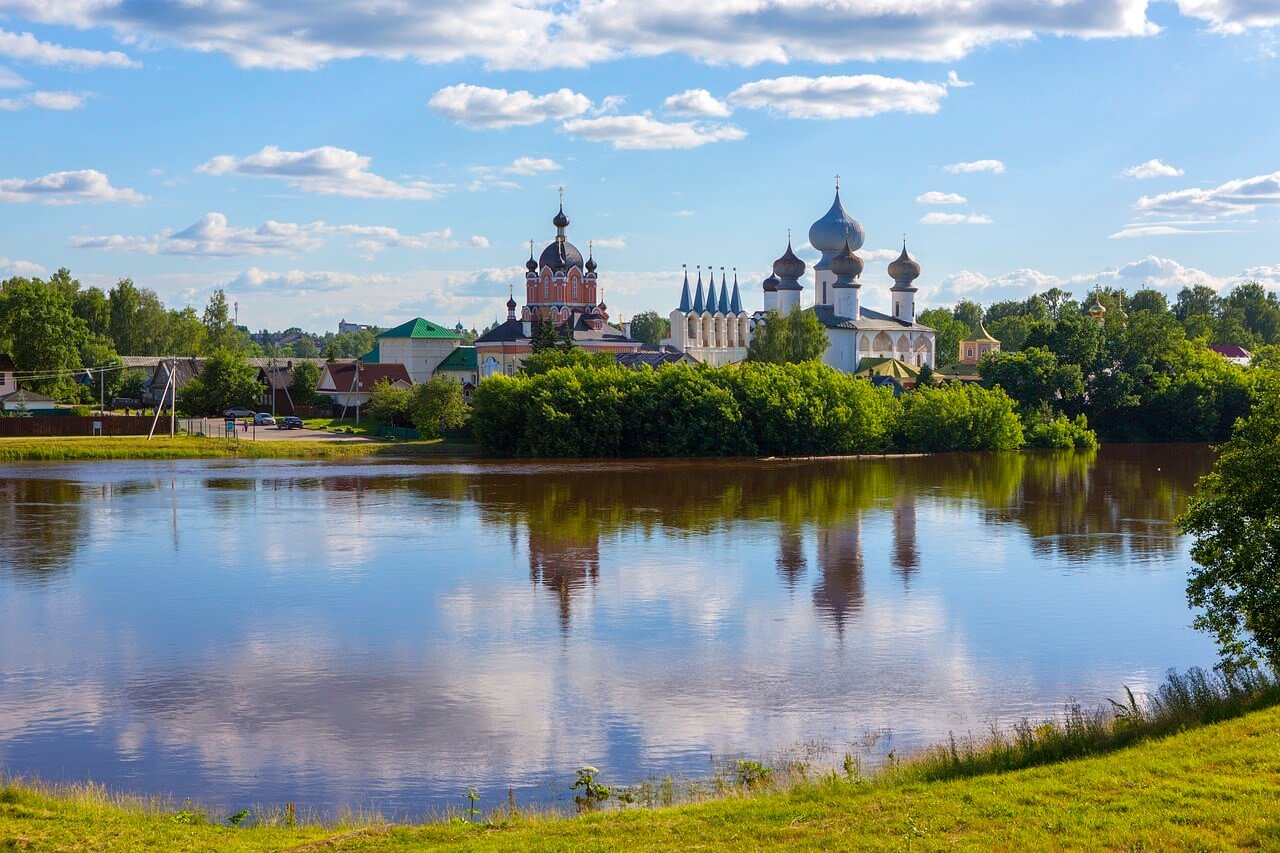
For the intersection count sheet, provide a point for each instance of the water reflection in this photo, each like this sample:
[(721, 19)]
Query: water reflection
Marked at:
[(330, 634)]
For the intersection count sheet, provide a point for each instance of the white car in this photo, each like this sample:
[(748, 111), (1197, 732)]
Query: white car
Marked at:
[(264, 419)]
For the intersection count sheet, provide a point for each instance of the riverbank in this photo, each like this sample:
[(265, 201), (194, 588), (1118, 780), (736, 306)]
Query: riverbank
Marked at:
[(1202, 787), (200, 447)]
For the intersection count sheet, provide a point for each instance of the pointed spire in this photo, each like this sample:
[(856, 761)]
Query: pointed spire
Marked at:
[(735, 302), (723, 305), (711, 290), (699, 299), (686, 304)]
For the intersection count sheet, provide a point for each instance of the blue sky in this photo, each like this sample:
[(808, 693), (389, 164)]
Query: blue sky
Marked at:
[(379, 161)]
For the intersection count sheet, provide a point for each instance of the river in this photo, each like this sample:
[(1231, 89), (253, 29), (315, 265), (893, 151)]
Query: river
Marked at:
[(391, 634)]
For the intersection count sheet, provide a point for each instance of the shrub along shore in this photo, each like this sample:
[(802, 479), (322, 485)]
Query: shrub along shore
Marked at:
[(1194, 767), (200, 447)]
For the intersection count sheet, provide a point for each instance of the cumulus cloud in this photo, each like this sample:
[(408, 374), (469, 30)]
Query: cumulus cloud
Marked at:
[(324, 171), (935, 197), (994, 166), (12, 80), (295, 282), (611, 243), (25, 47), (45, 101), (1156, 168), (532, 166), (84, 186), (483, 107), (937, 218), (856, 96), (17, 267), (645, 133), (212, 236), (695, 102), (954, 81), (1232, 16)]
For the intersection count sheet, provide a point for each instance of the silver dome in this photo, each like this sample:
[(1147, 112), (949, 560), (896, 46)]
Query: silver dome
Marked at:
[(829, 233)]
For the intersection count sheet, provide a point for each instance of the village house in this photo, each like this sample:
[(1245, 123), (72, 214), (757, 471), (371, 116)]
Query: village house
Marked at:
[(350, 384), (14, 398)]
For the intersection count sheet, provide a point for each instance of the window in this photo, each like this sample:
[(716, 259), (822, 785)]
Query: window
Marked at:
[(575, 291), (968, 352)]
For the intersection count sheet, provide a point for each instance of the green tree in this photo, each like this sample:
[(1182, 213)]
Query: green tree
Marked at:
[(1057, 302), (950, 332), (1235, 517), (650, 327), (99, 356), (793, 338), (227, 380), (306, 348), (959, 416), (302, 390), (42, 335), (1034, 378), (92, 307), (968, 312), (1256, 309), (1150, 301), (437, 404), (1201, 299), (124, 306), (132, 384), (220, 331), (390, 404)]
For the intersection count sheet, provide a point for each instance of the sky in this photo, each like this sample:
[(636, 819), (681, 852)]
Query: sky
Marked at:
[(379, 160)]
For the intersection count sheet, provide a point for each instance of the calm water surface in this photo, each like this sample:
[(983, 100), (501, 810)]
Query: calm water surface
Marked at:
[(392, 634)]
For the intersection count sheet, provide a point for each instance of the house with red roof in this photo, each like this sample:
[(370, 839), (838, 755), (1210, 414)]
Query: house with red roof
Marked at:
[(349, 384), (1234, 354)]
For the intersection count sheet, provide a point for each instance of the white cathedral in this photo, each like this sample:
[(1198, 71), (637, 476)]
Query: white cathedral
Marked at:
[(711, 325)]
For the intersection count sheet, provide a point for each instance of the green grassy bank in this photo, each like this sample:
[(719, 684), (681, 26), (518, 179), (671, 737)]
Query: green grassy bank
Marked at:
[(1202, 787), (199, 447)]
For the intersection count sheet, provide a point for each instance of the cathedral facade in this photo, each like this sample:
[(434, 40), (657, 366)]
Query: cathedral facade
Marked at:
[(854, 331)]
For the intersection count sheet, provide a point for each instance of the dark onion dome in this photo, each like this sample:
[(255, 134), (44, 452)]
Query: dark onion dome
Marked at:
[(591, 263), (511, 304), (560, 220), (788, 267), (459, 327), (771, 284), (829, 233), (846, 265), (552, 257), (531, 265), (904, 270)]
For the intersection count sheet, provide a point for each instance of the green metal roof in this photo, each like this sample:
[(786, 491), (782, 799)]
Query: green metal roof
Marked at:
[(462, 358), (887, 367), (373, 356), (420, 328)]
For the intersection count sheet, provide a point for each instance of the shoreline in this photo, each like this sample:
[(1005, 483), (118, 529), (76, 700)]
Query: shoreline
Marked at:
[(77, 449)]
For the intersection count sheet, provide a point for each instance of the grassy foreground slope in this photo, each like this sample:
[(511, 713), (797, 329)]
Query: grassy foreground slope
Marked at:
[(1211, 788)]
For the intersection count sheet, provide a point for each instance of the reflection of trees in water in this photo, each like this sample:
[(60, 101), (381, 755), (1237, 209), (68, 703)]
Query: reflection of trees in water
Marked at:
[(42, 523)]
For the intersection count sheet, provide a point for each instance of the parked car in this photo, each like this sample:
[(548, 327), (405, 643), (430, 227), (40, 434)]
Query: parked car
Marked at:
[(238, 412), (264, 419), (289, 422)]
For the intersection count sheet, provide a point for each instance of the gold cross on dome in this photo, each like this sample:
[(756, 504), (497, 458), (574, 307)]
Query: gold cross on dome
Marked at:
[(837, 182)]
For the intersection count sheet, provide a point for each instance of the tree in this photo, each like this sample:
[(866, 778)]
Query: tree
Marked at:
[(227, 380), (1200, 299), (650, 327), (1033, 377), (1255, 309), (1150, 301), (124, 304), (793, 338), (302, 390), (220, 331), (42, 336), (950, 332), (968, 312), (959, 416), (1235, 517), (1057, 301), (306, 348), (92, 307), (106, 369), (437, 405), (132, 384), (390, 404), (544, 335)]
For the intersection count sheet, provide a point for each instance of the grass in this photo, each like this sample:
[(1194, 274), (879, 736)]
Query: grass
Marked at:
[(1198, 769), (199, 447), (343, 425)]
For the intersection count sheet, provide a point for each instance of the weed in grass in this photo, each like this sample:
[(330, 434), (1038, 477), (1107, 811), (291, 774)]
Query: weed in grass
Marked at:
[(593, 792)]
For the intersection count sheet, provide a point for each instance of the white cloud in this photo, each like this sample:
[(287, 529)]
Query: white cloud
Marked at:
[(11, 80), (954, 81), (25, 47), (938, 218), (935, 197), (683, 213), (1233, 198), (857, 96), (44, 100), (695, 102), (532, 166), (483, 107), (1152, 169), (15, 267), (1164, 229), (295, 282), (85, 186), (994, 166), (643, 132), (324, 171), (1232, 16), (212, 236), (611, 243)]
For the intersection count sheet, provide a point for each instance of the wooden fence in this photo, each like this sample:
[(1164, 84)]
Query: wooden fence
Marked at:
[(50, 425)]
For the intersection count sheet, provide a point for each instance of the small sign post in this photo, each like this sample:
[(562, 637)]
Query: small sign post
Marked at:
[(231, 427), (97, 428)]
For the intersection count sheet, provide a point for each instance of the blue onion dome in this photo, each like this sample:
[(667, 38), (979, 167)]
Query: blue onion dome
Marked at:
[(591, 263), (531, 265), (904, 269), (560, 220), (788, 266), (846, 264), (459, 327), (829, 233), (771, 283)]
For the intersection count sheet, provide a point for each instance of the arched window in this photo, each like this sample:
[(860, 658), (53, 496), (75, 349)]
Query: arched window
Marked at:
[(575, 290)]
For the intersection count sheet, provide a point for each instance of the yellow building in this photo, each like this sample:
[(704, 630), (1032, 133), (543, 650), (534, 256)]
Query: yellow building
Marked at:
[(974, 347)]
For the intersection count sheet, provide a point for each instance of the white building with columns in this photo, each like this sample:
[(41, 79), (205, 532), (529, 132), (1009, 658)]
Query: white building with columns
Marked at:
[(713, 327)]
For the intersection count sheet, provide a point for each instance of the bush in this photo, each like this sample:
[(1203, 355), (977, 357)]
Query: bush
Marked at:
[(959, 417), (390, 404), (437, 404), (1061, 432)]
